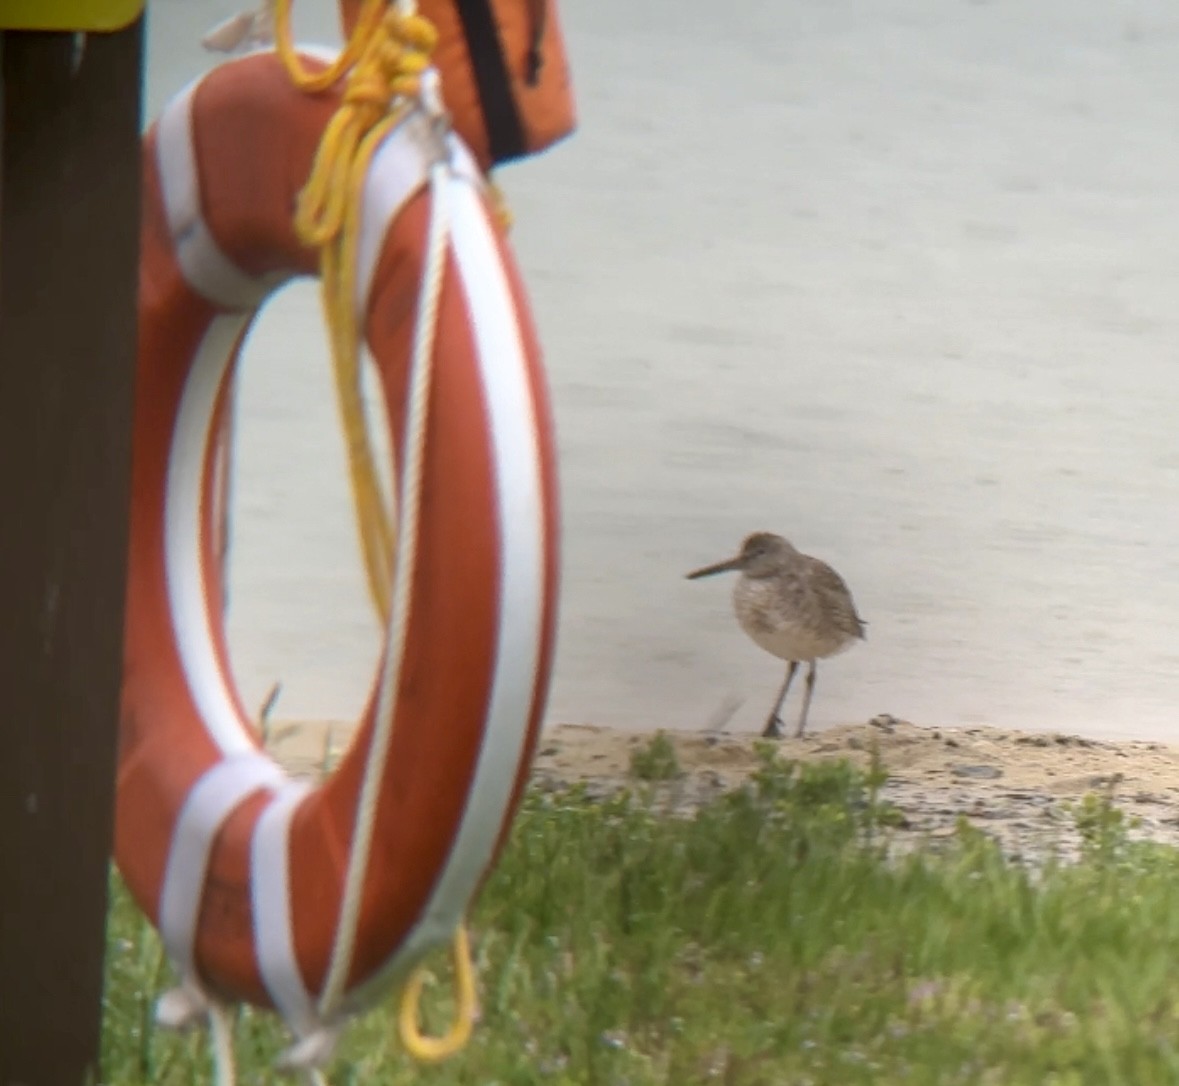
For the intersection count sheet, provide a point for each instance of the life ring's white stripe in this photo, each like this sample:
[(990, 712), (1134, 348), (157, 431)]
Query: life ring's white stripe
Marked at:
[(205, 266), (185, 573), (270, 890), (209, 803), (398, 171), (511, 413), (399, 168), (216, 706), (519, 512)]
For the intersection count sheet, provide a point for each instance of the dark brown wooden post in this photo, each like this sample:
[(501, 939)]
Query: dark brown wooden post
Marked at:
[(69, 218)]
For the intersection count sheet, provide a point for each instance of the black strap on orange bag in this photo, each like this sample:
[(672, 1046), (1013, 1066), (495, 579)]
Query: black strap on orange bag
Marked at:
[(505, 134)]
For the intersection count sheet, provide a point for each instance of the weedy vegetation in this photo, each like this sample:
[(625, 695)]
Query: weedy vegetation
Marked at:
[(771, 937), (655, 760)]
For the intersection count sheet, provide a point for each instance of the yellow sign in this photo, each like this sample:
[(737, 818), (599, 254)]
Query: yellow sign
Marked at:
[(68, 14)]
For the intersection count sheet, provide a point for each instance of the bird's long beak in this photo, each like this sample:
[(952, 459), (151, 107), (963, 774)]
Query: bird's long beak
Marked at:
[(721, 567)]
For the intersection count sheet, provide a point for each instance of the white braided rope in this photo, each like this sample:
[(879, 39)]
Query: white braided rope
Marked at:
[(221, 1043), (413, 456)]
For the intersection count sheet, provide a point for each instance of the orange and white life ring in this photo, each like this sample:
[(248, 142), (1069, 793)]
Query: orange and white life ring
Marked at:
[(240, 867)]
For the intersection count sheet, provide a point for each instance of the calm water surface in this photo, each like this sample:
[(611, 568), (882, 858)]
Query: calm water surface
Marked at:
[(898, 279)]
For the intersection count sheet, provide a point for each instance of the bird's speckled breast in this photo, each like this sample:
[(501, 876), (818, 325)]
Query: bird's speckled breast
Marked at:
[(782, 617)]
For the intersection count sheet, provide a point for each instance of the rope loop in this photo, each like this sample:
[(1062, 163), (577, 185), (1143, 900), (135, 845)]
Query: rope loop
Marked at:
[(433, 1049)]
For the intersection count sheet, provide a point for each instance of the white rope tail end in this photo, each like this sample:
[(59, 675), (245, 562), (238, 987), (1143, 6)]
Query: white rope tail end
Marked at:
[(241, 31), (186, 1007), (181, 1008), (430, 95), (310, 1053)]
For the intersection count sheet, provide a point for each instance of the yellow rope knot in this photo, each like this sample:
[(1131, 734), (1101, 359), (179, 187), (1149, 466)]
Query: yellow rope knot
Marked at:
[(381, 87), (388, 68)]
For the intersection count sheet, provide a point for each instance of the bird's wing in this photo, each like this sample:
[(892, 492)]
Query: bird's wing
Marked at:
[(837, 597)]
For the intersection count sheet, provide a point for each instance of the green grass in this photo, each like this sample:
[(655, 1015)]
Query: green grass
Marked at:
[(655, 760), (769, 939)]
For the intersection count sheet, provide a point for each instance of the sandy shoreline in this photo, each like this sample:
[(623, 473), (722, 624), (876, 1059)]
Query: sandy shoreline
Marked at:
[(1016, 786)]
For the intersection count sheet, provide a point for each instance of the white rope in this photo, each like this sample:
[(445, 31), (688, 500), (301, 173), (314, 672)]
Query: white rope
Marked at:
[(314, 1049), (221, 1042), (187, 1005), (245, 29), (403, 571)]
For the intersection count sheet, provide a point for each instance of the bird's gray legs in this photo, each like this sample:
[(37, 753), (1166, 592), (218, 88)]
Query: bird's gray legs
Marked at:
[(806, 700), (773, 728)]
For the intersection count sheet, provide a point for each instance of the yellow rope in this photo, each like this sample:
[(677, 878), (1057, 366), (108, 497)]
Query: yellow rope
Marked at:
[(383, 60), (371, 13), (434, 1049), (499, 204)]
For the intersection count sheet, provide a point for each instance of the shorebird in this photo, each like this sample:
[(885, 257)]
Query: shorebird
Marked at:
[(792, 605)]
